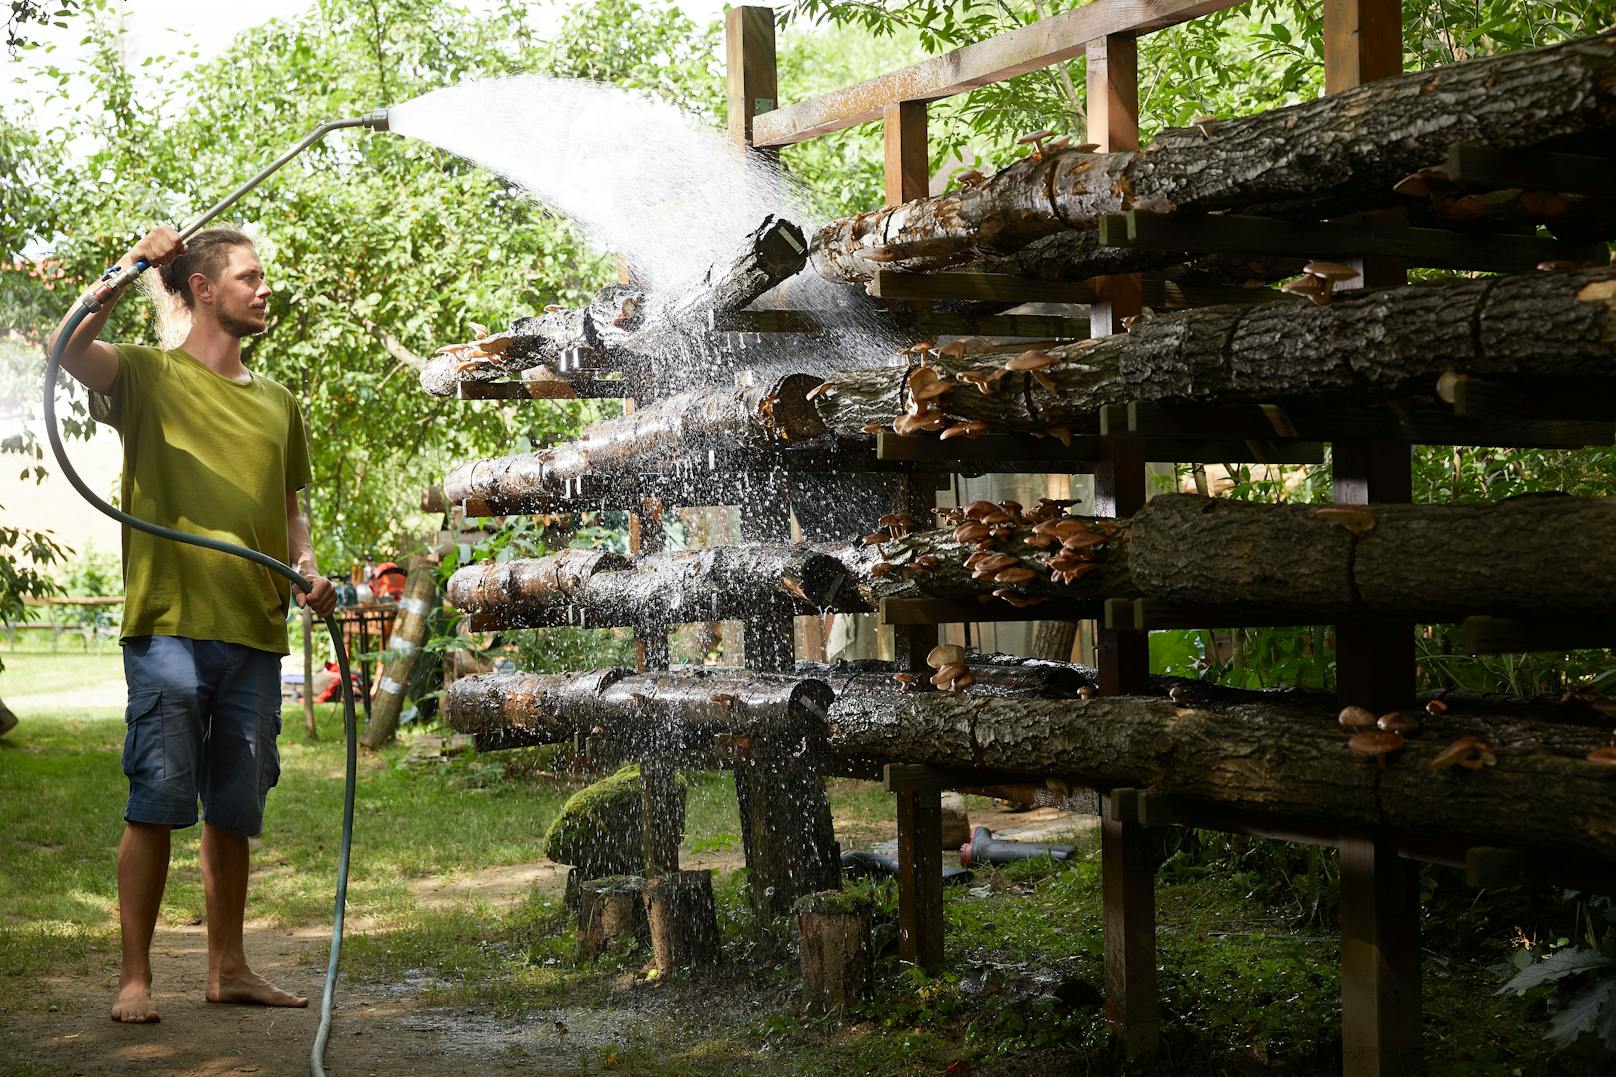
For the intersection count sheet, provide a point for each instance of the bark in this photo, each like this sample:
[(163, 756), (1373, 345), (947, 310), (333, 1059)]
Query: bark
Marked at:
[(676, 587), (771, 254), (403, 651), (648, 714), (1073, 255), (1342, 151), (683, 920), (1362, 345), (1282, 762), (731, 422)]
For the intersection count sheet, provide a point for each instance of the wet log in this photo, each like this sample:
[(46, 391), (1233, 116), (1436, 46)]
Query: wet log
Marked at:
[(647, 714), (728, 422), (834, 948), (403, 651), (1342, 151), (1363, 345), (622, 328), (673, 587), (683, 920), (1316, 563), (610, 909), (1288, 763)]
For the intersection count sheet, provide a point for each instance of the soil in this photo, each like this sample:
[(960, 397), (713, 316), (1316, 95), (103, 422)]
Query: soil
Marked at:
[(379, 1028)]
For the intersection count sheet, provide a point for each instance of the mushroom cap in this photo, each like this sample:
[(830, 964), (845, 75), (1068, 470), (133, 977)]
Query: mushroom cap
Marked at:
[(1435, 706), (1033, 360), (1330, 271), (945, 654), (1356, 718), (1398, 722), (1455, 752), (932, 390), (1027, 140), (972, 533), (1375, 742), (1019, 574), (976, 510), (1312, 287)]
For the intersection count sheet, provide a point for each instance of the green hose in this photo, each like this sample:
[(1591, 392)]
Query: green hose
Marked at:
[(85, 308)]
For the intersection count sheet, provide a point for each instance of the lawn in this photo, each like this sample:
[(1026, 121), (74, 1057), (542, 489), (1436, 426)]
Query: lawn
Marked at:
[(1247, 970)]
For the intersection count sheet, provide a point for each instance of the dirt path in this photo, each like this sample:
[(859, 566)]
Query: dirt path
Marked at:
[(380, 1029)]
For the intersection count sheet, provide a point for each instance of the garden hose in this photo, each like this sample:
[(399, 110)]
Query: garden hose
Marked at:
[(90, 303)]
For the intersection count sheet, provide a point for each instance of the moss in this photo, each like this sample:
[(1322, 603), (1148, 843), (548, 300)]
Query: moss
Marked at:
[(599, 828), (831, 902), (610, 884)]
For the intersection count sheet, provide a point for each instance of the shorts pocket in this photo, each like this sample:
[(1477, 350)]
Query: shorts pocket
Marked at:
[(269, 754), (144, 754)]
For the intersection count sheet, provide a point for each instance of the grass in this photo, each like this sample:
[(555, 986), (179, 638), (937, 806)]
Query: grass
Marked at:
[(1247, 969)]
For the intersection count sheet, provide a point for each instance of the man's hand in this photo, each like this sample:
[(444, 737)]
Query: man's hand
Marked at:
[(158, 247), (322, 599)]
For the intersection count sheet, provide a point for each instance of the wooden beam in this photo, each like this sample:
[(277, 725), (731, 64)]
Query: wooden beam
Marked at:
[(907, 164), (1113, 125), (1575, 399), (940, 611), (930, 324), (1533, 170), (977, 287), (1231, 233), (1043, 43), (1508, 635)]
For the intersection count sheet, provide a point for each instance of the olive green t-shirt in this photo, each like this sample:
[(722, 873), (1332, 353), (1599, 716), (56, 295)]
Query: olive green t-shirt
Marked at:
[(207, 455)]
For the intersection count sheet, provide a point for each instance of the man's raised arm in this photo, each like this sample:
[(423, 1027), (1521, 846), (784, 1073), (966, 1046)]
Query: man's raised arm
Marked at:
[(91, 361)]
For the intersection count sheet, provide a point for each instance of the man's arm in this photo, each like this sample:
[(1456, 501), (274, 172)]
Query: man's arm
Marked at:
[(323, 598), (92, 362)]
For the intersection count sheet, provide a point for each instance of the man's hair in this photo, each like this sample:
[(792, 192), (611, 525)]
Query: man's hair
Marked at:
[(205, 253)]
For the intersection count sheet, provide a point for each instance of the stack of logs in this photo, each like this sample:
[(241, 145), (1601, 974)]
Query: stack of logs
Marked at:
[(1544, 773)]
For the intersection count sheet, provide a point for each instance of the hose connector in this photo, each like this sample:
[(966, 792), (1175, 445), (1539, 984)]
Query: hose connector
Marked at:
[(376, 121)]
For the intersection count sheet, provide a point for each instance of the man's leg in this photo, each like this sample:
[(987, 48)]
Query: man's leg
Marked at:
[(224, 880), (241, 766), (142, 873)]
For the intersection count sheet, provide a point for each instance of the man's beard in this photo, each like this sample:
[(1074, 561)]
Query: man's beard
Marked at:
[(240, 327)]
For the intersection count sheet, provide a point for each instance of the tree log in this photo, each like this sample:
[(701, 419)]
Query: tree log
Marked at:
[(609, 909), (1362, 345), (404, 650), (1282, 762), (649, 714), (834, 948), (1339, 151), (730, 422), (675, 587), (683, 920)]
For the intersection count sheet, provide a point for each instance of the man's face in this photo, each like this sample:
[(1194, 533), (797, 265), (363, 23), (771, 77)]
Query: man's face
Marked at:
[(241, 295)]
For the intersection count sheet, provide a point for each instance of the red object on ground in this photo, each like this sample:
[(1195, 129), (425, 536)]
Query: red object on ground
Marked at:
[(387, 579), (333, 690)]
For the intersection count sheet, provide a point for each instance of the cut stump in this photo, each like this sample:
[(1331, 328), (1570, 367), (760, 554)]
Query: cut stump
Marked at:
[(683, 920), (836, 955), (610, 909)]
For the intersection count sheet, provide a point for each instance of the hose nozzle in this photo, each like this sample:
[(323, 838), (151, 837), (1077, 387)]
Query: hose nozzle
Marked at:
[(376, 121)]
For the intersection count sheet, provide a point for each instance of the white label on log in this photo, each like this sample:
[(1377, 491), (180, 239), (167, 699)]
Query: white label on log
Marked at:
[(405, 645), (411, 604), (390, 686)]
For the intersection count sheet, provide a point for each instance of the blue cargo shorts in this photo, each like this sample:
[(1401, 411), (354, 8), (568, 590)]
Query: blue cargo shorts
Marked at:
[(202, 721)]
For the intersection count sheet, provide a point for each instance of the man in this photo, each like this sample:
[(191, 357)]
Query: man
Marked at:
[(209, 447)]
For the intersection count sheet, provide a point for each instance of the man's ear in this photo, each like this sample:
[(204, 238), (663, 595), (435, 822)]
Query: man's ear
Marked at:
[(201, 287)]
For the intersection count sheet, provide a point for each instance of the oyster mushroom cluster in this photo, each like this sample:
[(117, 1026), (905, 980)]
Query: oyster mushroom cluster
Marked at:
[(1011, 546), (480, 353), (1382, 738)]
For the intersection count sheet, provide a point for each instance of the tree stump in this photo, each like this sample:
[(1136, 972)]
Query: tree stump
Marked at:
[(609, 909), (836, 955), (683, 920)]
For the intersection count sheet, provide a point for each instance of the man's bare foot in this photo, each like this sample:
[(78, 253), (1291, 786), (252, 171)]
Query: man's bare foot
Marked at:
[(249, 988), (134, 1006)]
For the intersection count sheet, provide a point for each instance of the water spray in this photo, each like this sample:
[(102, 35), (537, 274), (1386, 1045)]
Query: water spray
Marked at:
[(91, 302)]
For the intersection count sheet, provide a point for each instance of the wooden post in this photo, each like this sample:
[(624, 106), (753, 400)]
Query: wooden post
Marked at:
[(1380, 897), (308, 675), (683, 920), (834, 948), (1127, 869), (409, 633), (907, 164), (750, 59)]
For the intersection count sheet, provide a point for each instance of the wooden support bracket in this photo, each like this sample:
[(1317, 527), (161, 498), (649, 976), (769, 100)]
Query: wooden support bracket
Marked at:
[(1493, 397), (1510, 635), (941, 611), (1534, 170)]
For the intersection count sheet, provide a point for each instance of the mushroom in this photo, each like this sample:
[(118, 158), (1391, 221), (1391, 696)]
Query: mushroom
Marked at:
[(824, 388), (1201, 124), (926, 561), (1605, 755), (948, 674), (971, 178), (1045, 380), (1019, 574), (1312, 287), (1468, 752), (1398, 722), (1436, 706), (932, 390), (971, 533), (945, 654), (1033, 360), (896, 519), (973, 429), (954, 349), (1377, 743), (906, 681), (1086, 692), (1082, 541), (1085, 147), (978, 510), (1036, 141), (1354, 518), (1330, 273), (882, 568), (873, 428), (1356, 718), (995, 562), (962, 682), (1016, 598)]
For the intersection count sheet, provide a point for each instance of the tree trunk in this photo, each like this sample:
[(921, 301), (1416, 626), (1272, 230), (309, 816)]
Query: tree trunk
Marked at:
[(609, 909), (729, 422), (1338, 152), (834, 947), (1362, 345), (8, 720), (683, 920), (404, 647), (675, 587)]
